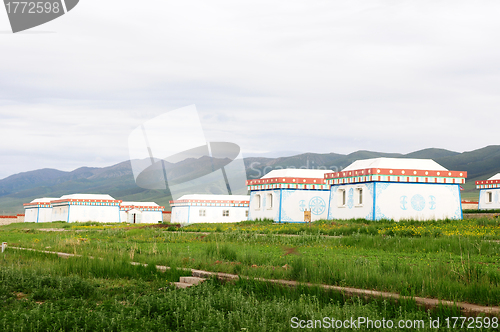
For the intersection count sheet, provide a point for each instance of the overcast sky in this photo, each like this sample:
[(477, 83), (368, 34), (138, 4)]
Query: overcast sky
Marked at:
[(312, 76)]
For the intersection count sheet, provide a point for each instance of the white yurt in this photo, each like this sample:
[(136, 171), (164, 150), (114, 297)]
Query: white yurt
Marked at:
[(199, 208), (395, 188), (283, 195), (86, 207), (38, 210), (141, 212), (489, 190)]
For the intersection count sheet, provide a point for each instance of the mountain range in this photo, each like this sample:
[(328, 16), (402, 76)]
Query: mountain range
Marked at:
[(118, 180)]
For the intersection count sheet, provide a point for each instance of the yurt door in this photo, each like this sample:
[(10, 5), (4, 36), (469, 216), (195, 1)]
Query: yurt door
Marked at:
[(134, 216)]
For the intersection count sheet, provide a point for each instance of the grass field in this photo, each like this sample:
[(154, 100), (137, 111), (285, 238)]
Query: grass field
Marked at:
[(448, 260)]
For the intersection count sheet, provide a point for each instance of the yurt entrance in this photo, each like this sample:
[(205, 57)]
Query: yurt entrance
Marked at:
[(134, 216)]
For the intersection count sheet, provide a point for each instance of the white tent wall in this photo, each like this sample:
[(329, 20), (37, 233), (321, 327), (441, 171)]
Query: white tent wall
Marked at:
[(264, 204), (151, 217), (123, 216), (345, 201), (180, 214), (60, 213), (397, 201), (208, 214), (489, 199), (31, 214), (295, 202), (288, 205), (44, 214), (217, 214), (84, 213), (86, 207)]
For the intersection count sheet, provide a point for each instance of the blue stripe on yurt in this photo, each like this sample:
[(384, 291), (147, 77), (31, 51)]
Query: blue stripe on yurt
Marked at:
[(281, 206), (460, 202), (374, 199), (69, 205), (189, 212), (37, 213), (479, 200), (329, 204)]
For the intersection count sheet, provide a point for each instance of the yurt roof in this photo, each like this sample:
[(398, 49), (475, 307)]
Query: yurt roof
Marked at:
[(495, 177), (43, 200), (88, 196), (211, 197), (297, 173), (139, 204), (396, 163)]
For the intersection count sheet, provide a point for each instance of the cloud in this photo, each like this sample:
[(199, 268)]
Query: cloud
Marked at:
[(393, 76)]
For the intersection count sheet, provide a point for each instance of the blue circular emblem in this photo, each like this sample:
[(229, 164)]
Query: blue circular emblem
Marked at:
[(418, 202), (317, 205)]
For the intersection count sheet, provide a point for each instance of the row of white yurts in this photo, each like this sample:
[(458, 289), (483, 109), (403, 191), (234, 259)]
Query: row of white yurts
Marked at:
[(91, 207)]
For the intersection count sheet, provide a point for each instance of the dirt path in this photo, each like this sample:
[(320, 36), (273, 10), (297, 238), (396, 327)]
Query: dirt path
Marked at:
[(467, 308)]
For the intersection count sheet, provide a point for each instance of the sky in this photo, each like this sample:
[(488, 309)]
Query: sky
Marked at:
[(305, 76)]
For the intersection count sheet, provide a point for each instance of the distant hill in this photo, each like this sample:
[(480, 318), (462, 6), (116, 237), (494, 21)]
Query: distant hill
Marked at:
[(118, 180), (431, 154)]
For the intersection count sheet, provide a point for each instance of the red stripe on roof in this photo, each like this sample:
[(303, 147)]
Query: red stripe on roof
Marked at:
[(395, 172), (87, 200), (207, 201), (488, 182), (286, 180)]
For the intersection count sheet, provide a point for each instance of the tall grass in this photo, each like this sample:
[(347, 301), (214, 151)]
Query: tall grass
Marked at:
[(53, 294), (462, 268)]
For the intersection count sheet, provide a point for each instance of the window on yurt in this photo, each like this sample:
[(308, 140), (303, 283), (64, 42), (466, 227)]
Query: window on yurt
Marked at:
[(359, 196), (225, 213), (203, 213), (246, 213), (342, 197), (269, 201), (489, 197), (257, 202)]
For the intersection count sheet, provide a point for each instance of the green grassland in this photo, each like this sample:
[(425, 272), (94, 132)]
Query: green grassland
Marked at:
[(455, 260)]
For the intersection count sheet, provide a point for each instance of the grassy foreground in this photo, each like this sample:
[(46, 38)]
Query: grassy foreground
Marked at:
[(451, 260), (40, 292)]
